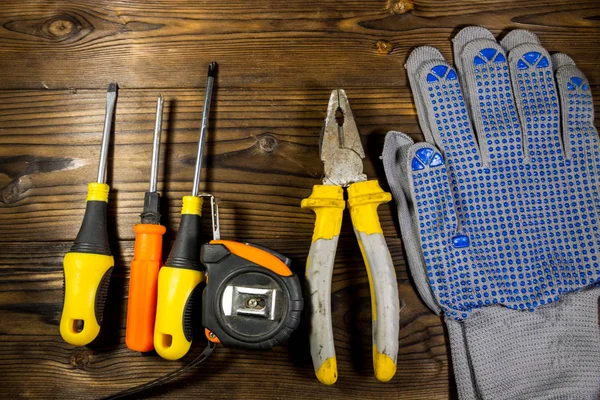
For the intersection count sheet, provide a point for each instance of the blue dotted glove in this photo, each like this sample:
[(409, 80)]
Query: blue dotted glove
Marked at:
[(502, 206)]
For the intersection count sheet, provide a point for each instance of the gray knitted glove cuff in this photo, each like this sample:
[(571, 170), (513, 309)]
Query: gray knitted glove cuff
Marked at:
[(552, 353)]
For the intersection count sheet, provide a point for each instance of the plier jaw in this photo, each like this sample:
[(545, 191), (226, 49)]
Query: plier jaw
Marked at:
[(340, 147)]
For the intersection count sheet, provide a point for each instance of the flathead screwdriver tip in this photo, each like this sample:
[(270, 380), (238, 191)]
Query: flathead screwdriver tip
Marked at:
[(111, 99), (156, 143), (212, 69)]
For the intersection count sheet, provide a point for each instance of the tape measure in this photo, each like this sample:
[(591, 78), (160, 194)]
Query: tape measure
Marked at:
[(252, 299)]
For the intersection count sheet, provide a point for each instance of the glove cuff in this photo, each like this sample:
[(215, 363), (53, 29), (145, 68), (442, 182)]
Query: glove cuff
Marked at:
[(552, 353)]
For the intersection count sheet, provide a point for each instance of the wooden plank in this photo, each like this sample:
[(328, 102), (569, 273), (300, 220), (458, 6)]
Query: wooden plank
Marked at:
[(34, 354), (262, 157), (278, 61), (60, 44)]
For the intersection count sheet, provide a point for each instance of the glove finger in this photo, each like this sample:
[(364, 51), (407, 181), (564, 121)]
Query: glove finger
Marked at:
[(434, 216), (517, 37), (415, 60), (579, 134), (487, 82), (536, 98), (394, 157), (436, 84), (430, 191), (582, 151), (463, 37)]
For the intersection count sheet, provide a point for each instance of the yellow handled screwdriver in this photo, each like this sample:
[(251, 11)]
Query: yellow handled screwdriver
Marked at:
[(89, 263), (183, 272)]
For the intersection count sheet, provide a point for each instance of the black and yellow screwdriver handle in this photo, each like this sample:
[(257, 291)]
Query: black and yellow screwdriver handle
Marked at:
[(87, 267), (177, 280)]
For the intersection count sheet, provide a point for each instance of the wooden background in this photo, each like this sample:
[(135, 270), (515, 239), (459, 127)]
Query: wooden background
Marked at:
[(278, 62)]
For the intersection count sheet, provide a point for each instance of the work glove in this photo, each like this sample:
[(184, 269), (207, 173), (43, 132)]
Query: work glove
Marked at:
[(499, 212)]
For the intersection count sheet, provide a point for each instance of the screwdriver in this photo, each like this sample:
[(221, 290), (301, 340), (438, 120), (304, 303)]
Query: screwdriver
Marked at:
[(89, 263), (183, 272), (147, 258)]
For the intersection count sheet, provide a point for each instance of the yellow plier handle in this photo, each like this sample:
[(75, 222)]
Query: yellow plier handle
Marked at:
[(328, 204), (363, 200)]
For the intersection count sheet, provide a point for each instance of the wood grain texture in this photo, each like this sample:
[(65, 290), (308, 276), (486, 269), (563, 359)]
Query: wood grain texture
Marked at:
[(63, 44), (278, 62)]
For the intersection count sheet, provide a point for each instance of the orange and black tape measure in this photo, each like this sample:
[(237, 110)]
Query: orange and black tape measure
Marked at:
[(252, 299)]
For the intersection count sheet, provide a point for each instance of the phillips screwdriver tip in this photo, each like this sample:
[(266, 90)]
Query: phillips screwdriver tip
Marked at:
[(212, 69), (112, 87)]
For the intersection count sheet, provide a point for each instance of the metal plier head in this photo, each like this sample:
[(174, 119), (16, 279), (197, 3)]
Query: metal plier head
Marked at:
[(340, 147)]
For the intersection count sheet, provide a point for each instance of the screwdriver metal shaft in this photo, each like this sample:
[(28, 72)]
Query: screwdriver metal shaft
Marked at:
[(212, 69), (111, 101), (156, 144)]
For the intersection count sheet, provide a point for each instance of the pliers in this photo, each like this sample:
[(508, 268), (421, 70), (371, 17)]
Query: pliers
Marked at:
[(342, 153)]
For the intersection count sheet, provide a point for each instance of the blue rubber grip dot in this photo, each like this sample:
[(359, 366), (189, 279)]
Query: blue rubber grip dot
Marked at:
[(416, 164), (451, 75), (437, 160), (424, 155), (432, 78), (478, 61), (521, 65), (488, 53), (577, 81), (500, 58), (543, 63), (532, 57), (440, 70), (460, 241)]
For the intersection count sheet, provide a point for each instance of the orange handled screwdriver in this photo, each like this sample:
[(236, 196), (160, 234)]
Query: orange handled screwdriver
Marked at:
[(147, 258)]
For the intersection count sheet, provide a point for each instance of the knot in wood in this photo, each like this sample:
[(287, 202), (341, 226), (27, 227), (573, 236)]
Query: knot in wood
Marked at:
[(66, 27), (79, 359), (400, 6), (60, 27), (267, 142), (384, 47), (12, 193)]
